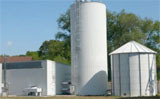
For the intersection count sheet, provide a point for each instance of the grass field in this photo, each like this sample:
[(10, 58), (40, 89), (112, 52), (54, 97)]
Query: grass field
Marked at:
[(81, 97)]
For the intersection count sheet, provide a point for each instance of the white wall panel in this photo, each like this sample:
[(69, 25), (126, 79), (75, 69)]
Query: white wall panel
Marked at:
[(134, 74), (144, 74), (19, 79), (51, 79), (124, 75), (112, 75), (155, 74), (152, 72), (116, 75), (0, 78), (63, 73)]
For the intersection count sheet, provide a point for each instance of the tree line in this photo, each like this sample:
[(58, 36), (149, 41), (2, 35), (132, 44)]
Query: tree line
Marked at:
[(122, 27)]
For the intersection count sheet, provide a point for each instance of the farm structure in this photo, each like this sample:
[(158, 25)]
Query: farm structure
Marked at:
[(37, 78)]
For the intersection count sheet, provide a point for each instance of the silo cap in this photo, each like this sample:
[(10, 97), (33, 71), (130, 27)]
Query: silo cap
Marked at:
[(87, 0), (133, 47)]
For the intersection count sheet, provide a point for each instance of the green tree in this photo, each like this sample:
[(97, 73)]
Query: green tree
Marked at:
[(152, 32), (34, 55), (122, 27), (53, 50), (64, 34)]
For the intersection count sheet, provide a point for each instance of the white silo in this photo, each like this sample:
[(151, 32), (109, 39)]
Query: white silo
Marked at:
[(133, 68), (88, 47)]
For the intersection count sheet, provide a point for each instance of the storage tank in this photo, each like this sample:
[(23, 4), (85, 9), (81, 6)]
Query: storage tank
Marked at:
[(1, 85), (88, 47), (133, 68)]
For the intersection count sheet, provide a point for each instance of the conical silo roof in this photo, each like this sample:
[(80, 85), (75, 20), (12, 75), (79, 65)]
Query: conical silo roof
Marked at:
[(133, 47)]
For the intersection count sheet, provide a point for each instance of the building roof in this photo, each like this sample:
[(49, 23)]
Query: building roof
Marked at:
[(24, 65), (16, 59), (133, 47)]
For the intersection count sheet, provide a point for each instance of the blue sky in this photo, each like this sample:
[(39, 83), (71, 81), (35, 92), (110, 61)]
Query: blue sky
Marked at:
[(25, 24)]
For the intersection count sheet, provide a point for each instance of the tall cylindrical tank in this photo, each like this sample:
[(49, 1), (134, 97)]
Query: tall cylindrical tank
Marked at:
[(133, 68), (88, 48)]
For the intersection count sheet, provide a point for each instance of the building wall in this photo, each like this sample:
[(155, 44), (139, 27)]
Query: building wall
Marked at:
[(63, 73), (23, 75), (51, 78), (0, 78), (152, 74), (134, 74), (125, 89), (19, 79), (116, 76)]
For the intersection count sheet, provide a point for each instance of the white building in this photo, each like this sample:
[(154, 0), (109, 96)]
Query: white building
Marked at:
[(89, 48), (44, 78), (1, 85), (133, 68)]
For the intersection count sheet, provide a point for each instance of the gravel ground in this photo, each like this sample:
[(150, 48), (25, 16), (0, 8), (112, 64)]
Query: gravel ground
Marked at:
[(81, 97)]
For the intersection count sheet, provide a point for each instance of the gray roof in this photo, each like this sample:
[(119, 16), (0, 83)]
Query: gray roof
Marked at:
[(24, 65), (133, 47)]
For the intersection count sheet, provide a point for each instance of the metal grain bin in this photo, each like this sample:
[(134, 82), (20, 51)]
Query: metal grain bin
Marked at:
[(1, 79), (133, 68)]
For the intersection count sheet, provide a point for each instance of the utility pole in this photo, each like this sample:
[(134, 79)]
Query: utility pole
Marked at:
[(5, 89)]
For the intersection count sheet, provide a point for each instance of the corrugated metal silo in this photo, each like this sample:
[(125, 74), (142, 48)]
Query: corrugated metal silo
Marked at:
[(88, 47), (1, 85), (133, 69)]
